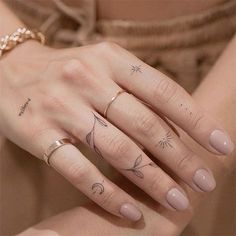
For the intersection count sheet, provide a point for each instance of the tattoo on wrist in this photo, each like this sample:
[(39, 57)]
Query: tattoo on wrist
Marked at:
[(165, 142), (90, 139), (98, 188), (135, 69), (136, 168), (22, 108)]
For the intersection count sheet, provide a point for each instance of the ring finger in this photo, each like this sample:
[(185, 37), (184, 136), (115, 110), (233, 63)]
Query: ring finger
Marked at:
[(78, 170), (138, 121), (122, 153)]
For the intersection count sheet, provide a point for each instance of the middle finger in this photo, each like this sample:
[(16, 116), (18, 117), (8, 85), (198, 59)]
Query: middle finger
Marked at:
[(143, 125)]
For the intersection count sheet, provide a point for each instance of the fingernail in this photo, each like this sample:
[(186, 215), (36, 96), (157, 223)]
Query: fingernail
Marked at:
[(130, 211), (177, 199), (204, 180), (221, 142)]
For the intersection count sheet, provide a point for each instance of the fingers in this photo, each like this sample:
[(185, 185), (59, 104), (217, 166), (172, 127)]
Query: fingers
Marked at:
[(122, 153), (166, 96), (76, 168), (142, 124)]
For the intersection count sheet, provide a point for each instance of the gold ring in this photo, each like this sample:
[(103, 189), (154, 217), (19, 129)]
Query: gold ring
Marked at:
[(112, 100), (53, 147)]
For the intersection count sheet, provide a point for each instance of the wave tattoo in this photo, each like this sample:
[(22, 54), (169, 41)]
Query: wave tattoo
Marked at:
[(90, 137)]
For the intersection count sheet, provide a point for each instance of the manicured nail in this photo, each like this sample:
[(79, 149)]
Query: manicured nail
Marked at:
[(130, 211), (221, 142), (204, 180), (177, 199)]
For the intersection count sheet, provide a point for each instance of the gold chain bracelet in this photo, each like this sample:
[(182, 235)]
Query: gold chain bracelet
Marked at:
[(21, 35)]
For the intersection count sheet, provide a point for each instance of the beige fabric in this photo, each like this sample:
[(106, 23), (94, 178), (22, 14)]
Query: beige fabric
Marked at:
[(184, 48)]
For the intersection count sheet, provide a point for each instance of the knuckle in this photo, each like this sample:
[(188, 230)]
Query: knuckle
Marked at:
[(51, 102), (75, 71), (77, 173), (107, 46), (108, 198), (145, 124), (164, 90), (185, 161), (118, 146), (156, 182)]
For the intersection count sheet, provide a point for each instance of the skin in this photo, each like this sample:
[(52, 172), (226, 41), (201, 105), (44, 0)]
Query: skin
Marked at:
[(52, 127), (158, 220)]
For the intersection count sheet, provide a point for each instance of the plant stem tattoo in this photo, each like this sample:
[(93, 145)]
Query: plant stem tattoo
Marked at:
[(135, 69), (165, 142), (22, 108), (137, 166), (90, 136), (98, 188)]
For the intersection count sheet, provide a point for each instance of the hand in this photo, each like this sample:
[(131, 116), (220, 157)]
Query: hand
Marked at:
[(49, 94)]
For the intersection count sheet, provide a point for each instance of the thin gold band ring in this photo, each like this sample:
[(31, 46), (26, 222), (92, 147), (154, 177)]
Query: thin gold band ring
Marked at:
[(53, 147), (112, 100)]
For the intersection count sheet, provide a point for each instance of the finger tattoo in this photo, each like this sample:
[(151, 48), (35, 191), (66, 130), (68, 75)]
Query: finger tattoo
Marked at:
[(165, 142), (98, 188), (137, 166), (186, 109), (22, 108), (135, 69), (90, 137)]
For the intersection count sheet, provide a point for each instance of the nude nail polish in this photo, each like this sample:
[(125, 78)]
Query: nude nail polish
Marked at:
[(177, 199), (204, 180), (221, 142), (130, 212)]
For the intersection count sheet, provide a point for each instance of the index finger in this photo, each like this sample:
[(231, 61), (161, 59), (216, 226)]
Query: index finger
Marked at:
[(170, 99)]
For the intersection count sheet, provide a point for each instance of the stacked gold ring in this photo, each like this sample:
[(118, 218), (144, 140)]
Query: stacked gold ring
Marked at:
[(53, 147)]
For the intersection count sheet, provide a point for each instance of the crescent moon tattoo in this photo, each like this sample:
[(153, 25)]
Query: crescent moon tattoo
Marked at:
[(98, 188)]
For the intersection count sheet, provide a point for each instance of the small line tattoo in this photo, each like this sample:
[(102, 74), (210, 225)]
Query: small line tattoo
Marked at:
[(98, 188), (165, 142), (135, 69), (90, 136), (22, 108), (137, 166)]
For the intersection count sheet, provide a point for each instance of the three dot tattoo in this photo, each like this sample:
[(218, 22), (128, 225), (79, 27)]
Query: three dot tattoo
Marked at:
[(186, 109)]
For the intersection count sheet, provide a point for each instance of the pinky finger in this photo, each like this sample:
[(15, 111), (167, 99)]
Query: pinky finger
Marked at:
[(76, 168)]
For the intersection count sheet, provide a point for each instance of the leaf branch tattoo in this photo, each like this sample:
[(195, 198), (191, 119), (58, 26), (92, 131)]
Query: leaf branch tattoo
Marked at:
[(165, 142), (137, 166), (90, 136), (98, 188), (135, 69), (22, 108)]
